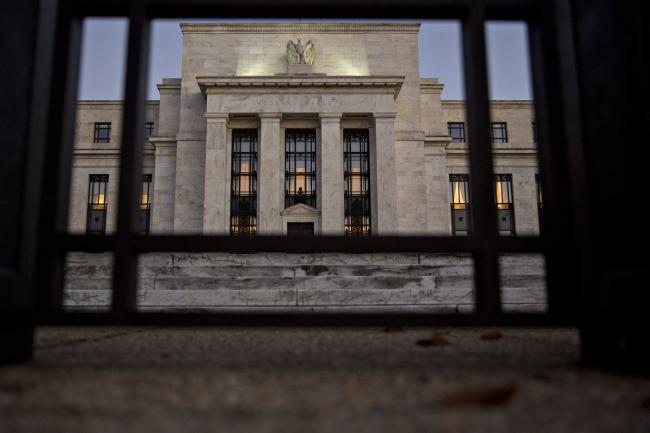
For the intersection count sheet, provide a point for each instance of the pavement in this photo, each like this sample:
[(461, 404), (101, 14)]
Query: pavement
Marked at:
[(316, 380)]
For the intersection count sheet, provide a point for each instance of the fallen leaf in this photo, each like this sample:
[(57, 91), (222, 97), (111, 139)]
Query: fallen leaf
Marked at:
[(390, 329), (491, 335), (497, 396), (435, 340)]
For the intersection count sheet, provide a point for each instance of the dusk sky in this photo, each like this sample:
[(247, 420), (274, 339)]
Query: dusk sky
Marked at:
[(104, 47)]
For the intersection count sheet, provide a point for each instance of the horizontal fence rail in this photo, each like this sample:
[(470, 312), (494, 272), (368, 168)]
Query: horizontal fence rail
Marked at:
[(484, 244)]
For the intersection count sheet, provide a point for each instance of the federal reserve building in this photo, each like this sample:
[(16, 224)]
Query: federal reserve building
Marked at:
[(305, 129)]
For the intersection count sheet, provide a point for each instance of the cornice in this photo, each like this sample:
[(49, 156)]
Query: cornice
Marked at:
[(206, 83), (301, 28)]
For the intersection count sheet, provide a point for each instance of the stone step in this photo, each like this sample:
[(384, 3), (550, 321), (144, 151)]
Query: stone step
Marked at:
[(197, 298)]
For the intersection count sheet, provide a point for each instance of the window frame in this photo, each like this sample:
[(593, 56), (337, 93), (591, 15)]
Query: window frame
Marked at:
[(351, 225), (237, 199), (454, 125), (97, 183), (102, 126), (456, 179), (291, 197), (509, 203), (501, 126)]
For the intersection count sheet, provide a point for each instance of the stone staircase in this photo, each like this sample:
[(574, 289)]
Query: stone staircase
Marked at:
[(298, 282)]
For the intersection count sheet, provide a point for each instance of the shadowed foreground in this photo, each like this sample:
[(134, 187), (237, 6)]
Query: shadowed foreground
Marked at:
[(316, 380)]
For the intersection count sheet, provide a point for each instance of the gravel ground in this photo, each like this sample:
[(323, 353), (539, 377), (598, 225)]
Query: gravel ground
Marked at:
[(316, 380)]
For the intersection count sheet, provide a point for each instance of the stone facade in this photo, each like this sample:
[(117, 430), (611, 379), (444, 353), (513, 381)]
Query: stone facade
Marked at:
[(364, 76)]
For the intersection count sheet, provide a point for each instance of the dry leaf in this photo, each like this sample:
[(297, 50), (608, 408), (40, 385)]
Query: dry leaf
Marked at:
[(498, 396), (435, 340), (393, 329), (491, 335)]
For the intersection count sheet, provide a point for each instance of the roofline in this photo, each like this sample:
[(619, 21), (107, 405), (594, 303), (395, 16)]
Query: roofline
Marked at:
[(412, 27)]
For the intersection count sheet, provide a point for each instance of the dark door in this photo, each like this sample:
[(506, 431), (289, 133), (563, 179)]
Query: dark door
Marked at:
[(300, 229)]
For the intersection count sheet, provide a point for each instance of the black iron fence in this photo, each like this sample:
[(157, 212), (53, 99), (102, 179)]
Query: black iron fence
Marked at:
[(46, 241)]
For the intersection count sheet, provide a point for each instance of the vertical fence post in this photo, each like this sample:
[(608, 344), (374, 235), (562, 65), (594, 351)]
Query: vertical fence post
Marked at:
[(486, 265), (126, 266)]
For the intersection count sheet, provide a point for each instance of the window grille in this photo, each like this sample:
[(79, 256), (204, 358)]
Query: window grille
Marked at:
[(243, 195), (97, 204), (145, 204), (499, 132), (356, 169), (456, 131), (102, 132), (505, 204), (461, 213), (300, 167)]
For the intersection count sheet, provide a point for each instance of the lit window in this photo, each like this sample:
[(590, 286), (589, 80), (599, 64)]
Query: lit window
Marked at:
[(145, 204), (300, 167), (499, 132), (102, 132), (504, 204), (356, 169), (243, 194), (456, 131), (461, 223), (97, 205)]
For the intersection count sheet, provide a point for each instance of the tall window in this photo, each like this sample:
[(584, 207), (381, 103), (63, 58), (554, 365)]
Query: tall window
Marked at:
[(456, 131), (505, 204), (148, 130), (300, 167), (499, 132), (102, 132), (243, 193), (356, 167), (145, 204), (461, 213), (97, 205)]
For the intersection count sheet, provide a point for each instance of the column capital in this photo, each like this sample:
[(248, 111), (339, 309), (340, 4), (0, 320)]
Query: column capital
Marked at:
[(384, 117), (270, 117), (216, 117), (330, 117)]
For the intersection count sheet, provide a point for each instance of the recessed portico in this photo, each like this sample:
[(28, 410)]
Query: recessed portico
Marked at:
[(328, 104)]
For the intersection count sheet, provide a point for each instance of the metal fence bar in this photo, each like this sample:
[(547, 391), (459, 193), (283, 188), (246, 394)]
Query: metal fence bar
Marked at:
[(486, 274), (211, 243), (485, 244), (53, 214), (229, 318), (125, 270)]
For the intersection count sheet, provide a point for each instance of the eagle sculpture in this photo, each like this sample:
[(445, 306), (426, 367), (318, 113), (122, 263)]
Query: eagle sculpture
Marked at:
[(297, 53)]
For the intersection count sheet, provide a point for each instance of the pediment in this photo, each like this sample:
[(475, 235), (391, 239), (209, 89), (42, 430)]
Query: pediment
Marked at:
[(300, 209)]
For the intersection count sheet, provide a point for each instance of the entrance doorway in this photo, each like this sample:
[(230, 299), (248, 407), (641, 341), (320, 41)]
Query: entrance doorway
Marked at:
[(300, 229)]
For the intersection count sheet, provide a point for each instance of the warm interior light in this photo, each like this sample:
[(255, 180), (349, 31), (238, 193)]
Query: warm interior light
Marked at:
[(499, 196), (301, 184), (355, 181), (244, 184), (459, 197)]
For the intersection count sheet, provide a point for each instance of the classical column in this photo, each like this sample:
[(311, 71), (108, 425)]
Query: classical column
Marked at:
[(215, 195), (164, 183), (384, 190), (330, 160), (270, 179)]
